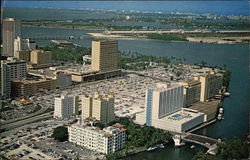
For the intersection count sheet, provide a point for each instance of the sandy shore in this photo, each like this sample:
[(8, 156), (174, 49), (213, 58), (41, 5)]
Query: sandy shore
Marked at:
[(220, 40)]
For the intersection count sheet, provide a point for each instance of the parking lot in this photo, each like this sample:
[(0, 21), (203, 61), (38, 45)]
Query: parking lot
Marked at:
[(35, 142)]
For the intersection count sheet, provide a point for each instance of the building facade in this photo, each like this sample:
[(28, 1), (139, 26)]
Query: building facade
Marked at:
[(191, 91), (108, 140), (12, 69), (66, 106), (211, 84), (24, 44), (23, 55), (28, 87), (40, 58), (63, 79), (98, 106), (162, 101), (104, 55), (11, 29)]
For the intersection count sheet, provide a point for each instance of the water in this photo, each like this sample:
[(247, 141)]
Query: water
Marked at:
[(235, 57), (199, 7)]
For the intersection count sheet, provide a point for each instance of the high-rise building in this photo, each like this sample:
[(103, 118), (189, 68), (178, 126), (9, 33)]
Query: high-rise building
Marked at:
[(99, 106), (163, 100), (66, 106), (164, 110), (211, 84), (104, 55), (192, 91), (24, 44), (108, 140), (40, 58), (11, 30), (11, 69)]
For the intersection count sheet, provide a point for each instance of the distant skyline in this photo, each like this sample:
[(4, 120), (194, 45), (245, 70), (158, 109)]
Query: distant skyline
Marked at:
[(197, 7)]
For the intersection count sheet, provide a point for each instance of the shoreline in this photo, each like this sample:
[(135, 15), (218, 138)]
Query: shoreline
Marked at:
[(207, 40)]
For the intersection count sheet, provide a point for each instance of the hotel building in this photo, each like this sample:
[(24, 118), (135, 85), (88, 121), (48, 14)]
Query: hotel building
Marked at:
[(211, 84), (191, 91), (108, 140), (66, 106), (98, 106), (162, 101)]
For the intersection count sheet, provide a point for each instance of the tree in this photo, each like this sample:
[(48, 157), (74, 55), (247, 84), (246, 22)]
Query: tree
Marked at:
[(203, 63), (233, 149), (60, 133), (203, 156)]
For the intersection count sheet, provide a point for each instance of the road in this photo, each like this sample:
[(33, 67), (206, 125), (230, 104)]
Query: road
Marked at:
[(43, 109), (27, 121)]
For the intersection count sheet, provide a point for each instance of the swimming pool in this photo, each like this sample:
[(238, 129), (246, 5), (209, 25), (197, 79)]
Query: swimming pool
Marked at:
[(176, 115)]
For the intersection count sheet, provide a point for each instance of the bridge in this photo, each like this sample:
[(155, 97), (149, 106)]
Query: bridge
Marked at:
[(208, 142)]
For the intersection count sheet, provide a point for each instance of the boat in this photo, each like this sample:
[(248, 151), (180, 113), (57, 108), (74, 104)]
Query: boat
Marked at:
[(192, 147), (151, 149), (226, 94), (221, 110), (219, 116), (160, 146)]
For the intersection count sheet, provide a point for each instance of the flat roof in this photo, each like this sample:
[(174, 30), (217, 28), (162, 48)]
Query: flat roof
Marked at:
[(184, 115), (206, 107)]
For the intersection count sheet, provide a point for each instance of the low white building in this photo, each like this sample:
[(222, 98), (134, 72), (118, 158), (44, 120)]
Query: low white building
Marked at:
[(180, 121), (108, 140), (66, 106)]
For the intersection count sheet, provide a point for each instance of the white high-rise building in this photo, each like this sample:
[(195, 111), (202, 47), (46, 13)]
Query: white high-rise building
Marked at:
[(11, 30), (163, 100), (66, 106), (11, 69), (23, 45), (164, 110), (108, 140)]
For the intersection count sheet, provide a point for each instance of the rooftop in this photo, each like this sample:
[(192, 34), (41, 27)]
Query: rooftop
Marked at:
[(30, 81), (106, 132), (207, 108), (183, 115)]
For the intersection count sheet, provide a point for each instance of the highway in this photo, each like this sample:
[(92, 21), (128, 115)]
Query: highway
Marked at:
[(43, 109), (27, 121)]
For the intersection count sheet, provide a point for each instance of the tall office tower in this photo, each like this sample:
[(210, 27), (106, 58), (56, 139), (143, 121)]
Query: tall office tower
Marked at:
[(104, 55), (66, 106), (192, 91), (11, 30), (99, 106), (11, 69), (23, 45), (40, 57), (211, 84), (162, 101)]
